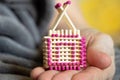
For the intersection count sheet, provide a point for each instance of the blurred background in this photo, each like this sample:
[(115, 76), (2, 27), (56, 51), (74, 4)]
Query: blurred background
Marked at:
[(103, 15)]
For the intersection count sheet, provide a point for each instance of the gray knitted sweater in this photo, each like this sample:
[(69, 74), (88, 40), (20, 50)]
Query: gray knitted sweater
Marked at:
[(23, 23)]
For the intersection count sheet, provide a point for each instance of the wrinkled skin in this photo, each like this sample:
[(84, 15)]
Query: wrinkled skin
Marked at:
[(100, 56)]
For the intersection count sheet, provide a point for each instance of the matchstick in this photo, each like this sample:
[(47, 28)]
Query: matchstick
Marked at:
[(60, 9), (60, 16), (64, 49)]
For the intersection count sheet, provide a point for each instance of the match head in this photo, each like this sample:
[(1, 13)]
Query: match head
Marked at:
[(58, 5), (68, 2)]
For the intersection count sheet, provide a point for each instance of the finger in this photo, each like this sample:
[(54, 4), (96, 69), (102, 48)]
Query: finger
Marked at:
[(98, 59), (91, 73), (66, 75), (48, 75), (36, 72), (99, 50)]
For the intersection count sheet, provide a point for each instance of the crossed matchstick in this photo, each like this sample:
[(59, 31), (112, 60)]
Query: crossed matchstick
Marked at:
[(62, 8), (62, 12)]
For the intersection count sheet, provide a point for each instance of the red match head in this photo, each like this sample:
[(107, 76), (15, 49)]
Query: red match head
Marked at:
[(58, 5), (68, 2)]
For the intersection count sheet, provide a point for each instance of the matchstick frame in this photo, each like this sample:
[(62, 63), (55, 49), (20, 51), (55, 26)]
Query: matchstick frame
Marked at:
[(64, 49)]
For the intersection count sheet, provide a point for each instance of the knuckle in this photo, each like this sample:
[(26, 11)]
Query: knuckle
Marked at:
[(106, 37), (106, 40)]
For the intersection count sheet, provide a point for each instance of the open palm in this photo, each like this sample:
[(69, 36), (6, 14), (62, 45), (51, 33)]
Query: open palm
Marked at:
[(100, 57)]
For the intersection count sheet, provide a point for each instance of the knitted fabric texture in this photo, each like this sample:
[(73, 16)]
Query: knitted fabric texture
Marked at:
[(23, 23)]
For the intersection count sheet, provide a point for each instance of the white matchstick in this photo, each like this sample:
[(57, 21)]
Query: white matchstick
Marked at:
[(60, 9), (60, 16)]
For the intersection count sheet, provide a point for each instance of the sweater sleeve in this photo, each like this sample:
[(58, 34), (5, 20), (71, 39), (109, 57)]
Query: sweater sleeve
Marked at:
[(23, 23)]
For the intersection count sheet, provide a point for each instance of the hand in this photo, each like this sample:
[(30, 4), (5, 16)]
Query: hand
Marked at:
[(100, 57)]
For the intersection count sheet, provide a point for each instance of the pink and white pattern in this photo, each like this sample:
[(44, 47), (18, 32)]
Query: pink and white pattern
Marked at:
[(64, 49), (65, 52)]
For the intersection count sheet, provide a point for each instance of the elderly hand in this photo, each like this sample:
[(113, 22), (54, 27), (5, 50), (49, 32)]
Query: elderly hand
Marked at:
[(100, 57)]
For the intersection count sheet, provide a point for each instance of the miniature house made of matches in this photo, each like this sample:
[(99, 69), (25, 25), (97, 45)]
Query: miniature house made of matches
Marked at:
[(64, 49)]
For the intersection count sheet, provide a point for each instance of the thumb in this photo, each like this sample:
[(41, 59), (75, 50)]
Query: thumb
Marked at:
[(99, 50)]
